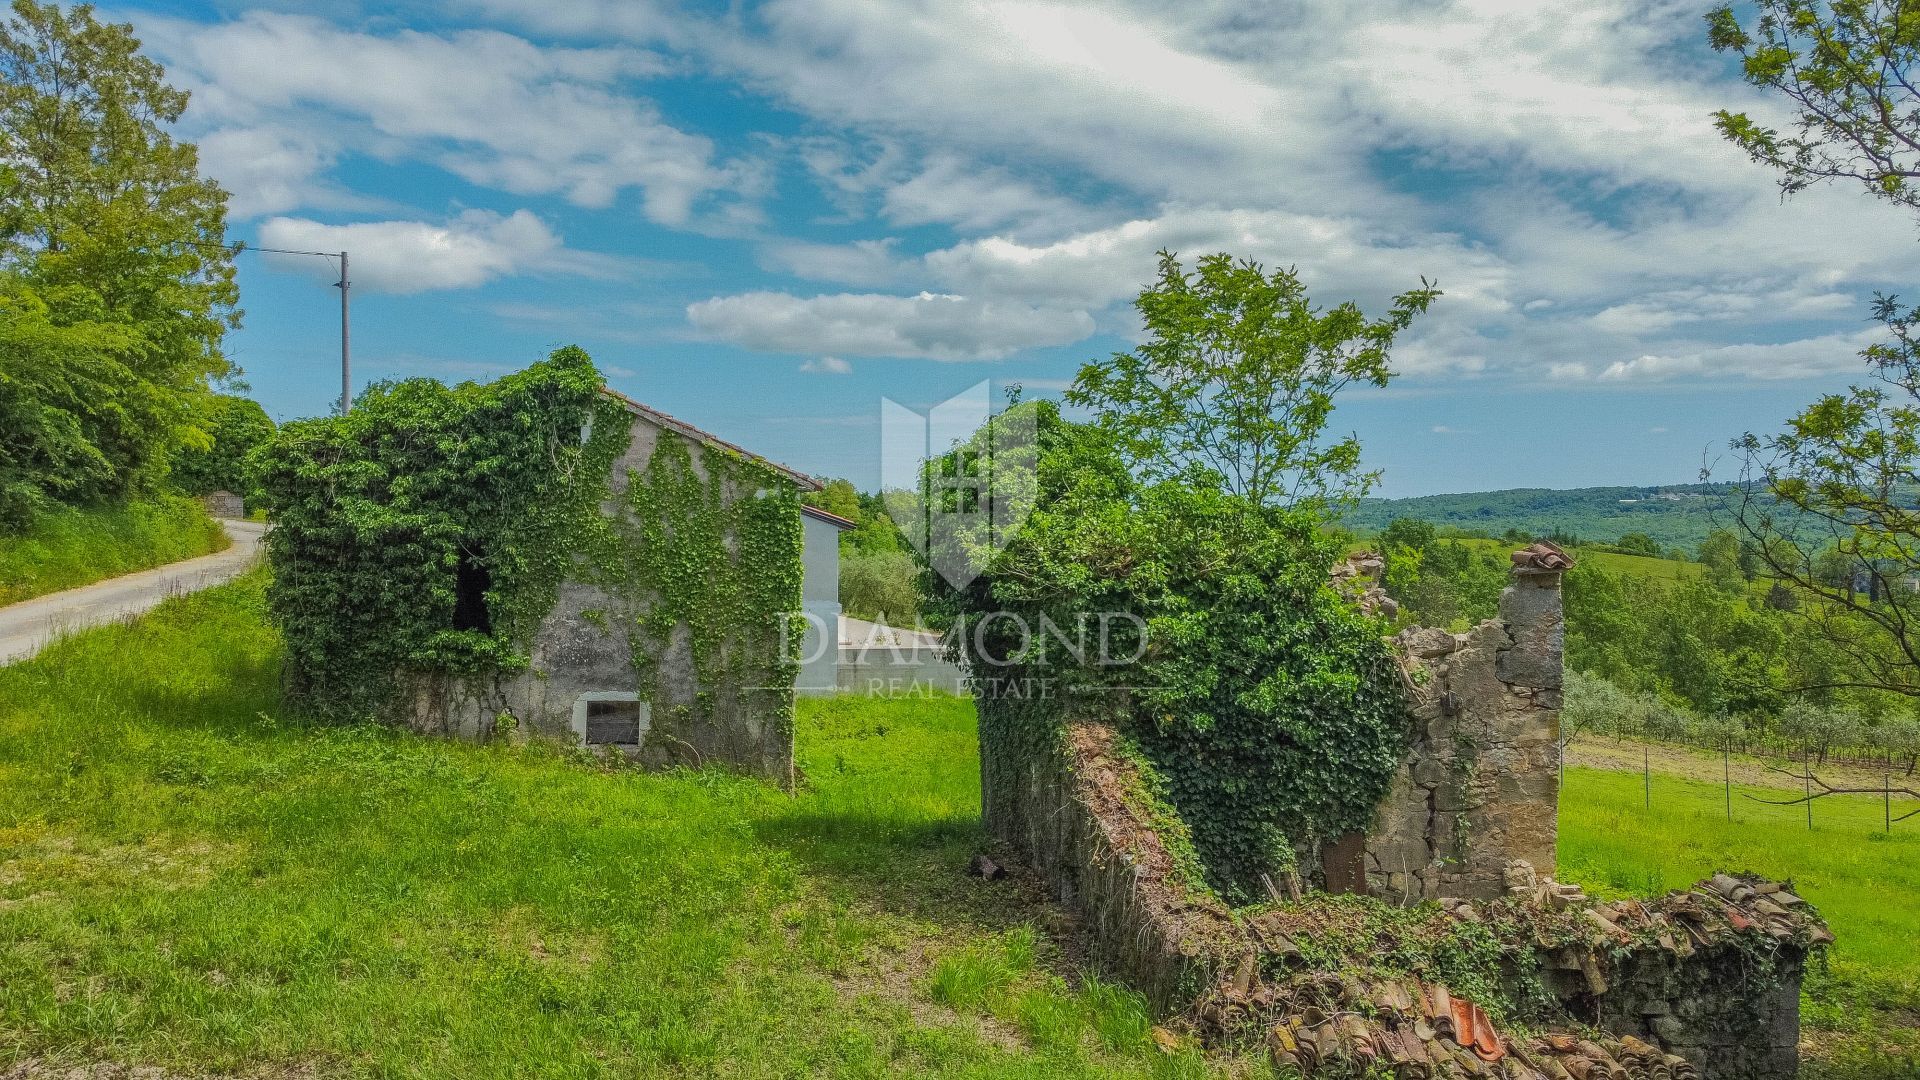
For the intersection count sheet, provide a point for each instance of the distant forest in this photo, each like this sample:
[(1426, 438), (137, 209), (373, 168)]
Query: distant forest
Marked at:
[(1674, 515)]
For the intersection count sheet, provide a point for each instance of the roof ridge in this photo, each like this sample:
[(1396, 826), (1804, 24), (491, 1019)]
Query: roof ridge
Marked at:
[(675, 424)]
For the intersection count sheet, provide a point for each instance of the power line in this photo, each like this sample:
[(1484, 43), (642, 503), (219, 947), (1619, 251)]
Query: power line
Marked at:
[(344, 284)]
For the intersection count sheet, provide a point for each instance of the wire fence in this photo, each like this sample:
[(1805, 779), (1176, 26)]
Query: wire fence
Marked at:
[(1778, 788)]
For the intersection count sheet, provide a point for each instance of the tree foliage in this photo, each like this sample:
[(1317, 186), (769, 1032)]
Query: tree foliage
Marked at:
[(1235, 384), (234, 426), (1847, 68), (1829, 504), (114, 280), (1172, 577)]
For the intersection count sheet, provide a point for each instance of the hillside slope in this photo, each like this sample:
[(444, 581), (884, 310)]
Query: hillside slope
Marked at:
[(1678, 515)]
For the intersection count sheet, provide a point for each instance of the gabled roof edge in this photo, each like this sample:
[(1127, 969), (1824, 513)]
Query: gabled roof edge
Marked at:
[(681, 427)]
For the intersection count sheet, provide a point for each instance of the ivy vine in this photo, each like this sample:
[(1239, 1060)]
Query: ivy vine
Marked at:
[(382, 513), (1267, 706), (711, 542)]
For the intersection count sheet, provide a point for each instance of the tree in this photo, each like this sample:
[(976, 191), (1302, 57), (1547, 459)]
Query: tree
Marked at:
[(1836, 488), (1411, 533), (235, 425), (1847, 66), (1720, 554), (106, 218), (1637, 543), (1235, 384), (66, 399)]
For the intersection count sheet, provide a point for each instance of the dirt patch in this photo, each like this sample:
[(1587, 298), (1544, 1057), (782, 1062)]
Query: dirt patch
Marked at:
[(48, 1069), (1627, 755)]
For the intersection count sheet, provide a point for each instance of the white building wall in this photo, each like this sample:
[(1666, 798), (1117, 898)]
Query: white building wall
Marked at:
[(820, 607)]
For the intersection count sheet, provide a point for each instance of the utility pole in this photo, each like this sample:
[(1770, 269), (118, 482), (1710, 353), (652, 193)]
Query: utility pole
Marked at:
[(344, 284), (346, 360)]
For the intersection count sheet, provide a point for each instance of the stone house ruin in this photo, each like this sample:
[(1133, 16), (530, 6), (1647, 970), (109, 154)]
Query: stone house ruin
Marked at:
[(543, 556), (1699, 983), (589, 649)]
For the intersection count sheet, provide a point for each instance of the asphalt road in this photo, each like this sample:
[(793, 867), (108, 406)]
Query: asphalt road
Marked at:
[(29, 625)]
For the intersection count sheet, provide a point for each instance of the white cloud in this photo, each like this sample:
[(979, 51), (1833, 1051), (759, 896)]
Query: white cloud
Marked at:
[(863, 262), (827, 365), (1442, 429), (492, 108), (951, 190), (417, 256), (928, 326), (1554, 168), (1811, 357)]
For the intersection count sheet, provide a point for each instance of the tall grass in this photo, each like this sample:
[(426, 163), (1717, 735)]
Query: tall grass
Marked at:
[(65, 547), (188, 880)]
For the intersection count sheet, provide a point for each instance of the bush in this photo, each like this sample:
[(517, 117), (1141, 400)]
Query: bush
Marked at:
[(63, 547)]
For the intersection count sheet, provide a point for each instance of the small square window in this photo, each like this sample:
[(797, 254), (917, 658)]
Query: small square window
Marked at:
[(615, 722), (610, 718)]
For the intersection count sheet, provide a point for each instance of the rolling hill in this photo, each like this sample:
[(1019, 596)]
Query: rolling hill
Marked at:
[(1676, 515)]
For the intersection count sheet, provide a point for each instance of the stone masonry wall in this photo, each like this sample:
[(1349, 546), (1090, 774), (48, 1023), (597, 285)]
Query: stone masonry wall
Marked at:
[(1480, 785), (583, 649), (1072, 815)]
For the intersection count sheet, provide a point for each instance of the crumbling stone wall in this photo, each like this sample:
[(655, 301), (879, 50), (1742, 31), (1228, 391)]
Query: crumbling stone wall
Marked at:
[(1480, 784), (1073, 814)]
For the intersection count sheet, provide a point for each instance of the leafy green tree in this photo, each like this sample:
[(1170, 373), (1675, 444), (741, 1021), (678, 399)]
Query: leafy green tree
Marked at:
[(67, 398), (1411, 533), (235, 425), (882, 586), (1638, 543), (1235, 384), (1847, 68), (1720, 554), (1839, 479), (838, 497), (107, 219)]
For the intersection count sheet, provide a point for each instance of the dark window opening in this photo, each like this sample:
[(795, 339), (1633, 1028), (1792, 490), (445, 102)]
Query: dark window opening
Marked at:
[(613, 723), (471, 582)]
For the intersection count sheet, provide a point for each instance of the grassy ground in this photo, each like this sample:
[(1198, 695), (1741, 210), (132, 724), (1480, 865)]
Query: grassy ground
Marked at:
[(189, 882), (1864, 1012), (66, 547)]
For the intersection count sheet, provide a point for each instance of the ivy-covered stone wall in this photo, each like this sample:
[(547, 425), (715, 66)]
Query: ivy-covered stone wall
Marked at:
[(516, 557)]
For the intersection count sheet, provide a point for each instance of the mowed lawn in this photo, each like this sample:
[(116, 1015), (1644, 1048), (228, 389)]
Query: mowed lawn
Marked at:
[(1864, 1011), (191, 882)]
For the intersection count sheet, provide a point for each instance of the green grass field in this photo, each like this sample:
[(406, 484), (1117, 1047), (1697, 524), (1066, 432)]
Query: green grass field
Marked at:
[(190, 882), (186, 881), (66, 547), (1865, 880)]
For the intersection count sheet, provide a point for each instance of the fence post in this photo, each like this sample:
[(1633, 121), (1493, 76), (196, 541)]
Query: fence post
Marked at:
[(1886, 792), (1806, 773), (1646, 771), (1726, 759)]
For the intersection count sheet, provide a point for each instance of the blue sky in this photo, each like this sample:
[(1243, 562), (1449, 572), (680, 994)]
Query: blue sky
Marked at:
[(765, 217)]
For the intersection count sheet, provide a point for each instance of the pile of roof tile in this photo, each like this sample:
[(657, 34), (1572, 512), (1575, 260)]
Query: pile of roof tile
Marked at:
[(1340, 1026), (1713, 912)]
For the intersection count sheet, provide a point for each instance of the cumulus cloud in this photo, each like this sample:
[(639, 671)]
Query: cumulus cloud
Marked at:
[(827, 365), (417, 256), (928, 326), (1554, 168), (493, 108)]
